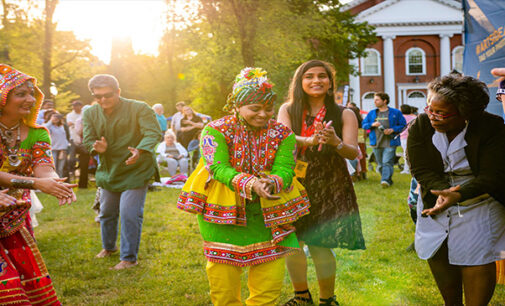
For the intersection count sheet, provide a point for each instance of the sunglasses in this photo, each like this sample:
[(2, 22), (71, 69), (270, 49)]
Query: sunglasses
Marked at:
[(438, 117), (105, 95)]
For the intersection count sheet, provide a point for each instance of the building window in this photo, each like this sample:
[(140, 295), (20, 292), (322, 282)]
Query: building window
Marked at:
[(417, 99), (457, 59), (370, 64), (367, 103), (415, 61), (417, 94)]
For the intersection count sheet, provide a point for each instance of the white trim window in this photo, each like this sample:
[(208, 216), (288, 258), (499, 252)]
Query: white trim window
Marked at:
[(415, 61), (367, 103), (371, 63), (457, 58), (417, 94)]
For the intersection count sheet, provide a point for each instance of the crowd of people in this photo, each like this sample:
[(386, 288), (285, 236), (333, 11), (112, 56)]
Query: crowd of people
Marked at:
[(264, 187)]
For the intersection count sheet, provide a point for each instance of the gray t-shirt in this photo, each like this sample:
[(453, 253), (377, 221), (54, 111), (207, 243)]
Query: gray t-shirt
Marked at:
[(382, 140)]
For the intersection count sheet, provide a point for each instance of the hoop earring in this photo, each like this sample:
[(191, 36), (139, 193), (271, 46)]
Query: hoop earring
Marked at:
[(330, 92)]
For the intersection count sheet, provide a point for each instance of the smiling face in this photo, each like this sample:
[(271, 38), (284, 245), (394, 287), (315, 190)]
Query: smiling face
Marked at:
[(187, 111), (256, 115), (316, 82), (20, 101), (107, 97)]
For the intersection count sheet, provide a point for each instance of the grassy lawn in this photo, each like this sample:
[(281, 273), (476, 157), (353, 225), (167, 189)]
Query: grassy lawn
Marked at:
[(172, 266)]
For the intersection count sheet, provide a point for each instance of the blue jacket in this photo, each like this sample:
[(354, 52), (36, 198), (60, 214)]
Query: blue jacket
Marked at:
[(396, 122)]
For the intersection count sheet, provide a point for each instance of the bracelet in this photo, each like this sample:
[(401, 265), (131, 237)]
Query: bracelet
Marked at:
[(22, 183), (340, 146)]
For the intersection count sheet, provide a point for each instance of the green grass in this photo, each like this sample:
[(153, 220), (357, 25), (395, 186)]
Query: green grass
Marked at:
[(172, 266)]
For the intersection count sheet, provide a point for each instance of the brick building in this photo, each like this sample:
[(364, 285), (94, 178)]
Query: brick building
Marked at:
[(418, 41)]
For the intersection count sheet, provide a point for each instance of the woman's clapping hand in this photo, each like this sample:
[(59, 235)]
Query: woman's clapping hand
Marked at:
[(446, 198), (57, 188), (6, 200)]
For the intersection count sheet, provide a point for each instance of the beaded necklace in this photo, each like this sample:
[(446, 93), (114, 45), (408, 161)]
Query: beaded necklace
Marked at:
[(7, 135)]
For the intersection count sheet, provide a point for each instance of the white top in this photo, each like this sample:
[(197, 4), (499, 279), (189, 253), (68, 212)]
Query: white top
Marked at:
[(72, 118), (163, 146), (475, 233), (176, 119)]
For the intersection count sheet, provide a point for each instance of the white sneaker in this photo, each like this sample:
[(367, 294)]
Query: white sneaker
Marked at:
[(385, 184)]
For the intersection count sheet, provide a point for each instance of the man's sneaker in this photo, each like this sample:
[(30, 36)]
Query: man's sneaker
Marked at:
[(385, 184)]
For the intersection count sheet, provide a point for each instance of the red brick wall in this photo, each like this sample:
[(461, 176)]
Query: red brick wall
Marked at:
[(374, 83), (363, 6), (431, 46)]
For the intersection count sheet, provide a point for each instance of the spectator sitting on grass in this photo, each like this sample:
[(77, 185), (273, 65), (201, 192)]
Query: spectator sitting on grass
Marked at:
[(173, 154)]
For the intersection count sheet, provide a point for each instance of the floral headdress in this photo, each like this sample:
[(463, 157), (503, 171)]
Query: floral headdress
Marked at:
[(11, 78), (251, 87)]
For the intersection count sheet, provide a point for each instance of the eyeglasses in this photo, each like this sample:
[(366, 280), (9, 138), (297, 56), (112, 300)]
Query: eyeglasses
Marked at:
[(438, 117), (105, 95)]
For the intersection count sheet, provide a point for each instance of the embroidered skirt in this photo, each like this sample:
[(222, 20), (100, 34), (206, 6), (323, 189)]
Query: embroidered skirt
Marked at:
[(24, 279)]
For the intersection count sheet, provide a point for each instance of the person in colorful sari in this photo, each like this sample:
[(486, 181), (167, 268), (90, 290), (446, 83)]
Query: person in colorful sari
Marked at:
[(245, 194), (25, 163), (327, 135)]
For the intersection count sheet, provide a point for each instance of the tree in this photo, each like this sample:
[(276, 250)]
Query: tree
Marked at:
[(49, 29), (228, 35)]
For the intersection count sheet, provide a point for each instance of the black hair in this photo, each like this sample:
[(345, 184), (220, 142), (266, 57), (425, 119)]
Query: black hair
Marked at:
[(406, 109), (298, 100), (469, 95)]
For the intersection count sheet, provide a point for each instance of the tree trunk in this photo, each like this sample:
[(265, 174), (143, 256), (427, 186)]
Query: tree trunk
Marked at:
[(245, 13), (171, 52), (48, 46)]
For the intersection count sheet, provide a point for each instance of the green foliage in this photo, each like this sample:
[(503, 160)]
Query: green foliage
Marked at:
[(225, 36), (22, 37), (207, 42), (172, 266)]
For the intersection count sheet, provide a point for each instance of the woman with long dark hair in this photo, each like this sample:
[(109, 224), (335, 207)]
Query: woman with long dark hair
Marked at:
[(326, 135)]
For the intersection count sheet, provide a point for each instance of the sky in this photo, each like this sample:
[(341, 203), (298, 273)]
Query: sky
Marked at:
[(102, 20)]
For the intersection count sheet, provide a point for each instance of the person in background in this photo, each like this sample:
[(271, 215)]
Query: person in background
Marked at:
[(500, 96), (48, 104), (124, 134), (326, 135), (84, 156), (173, 154), (455, 150), (25, 164), (384, 124), (158, 110), (59, 141), (245, 195), (191, 126), (409, 115), (359, 164), (72, 117), (175, 124)]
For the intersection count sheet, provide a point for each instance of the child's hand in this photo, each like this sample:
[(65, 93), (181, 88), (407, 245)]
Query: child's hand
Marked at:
[(262, 190)]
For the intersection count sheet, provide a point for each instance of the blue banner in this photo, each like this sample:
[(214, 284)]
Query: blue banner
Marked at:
[(485, 44)]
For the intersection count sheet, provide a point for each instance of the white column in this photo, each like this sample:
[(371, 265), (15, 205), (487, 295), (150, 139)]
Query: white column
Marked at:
[(445, 54), (389, 68), (354, 82)]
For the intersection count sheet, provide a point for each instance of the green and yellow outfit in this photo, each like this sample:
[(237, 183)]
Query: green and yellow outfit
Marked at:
[(238, 228)]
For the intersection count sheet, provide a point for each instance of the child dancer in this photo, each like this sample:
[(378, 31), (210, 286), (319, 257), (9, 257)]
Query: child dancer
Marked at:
[(245, 194)]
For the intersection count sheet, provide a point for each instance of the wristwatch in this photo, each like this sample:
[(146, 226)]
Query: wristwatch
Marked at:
[(340, 145)]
